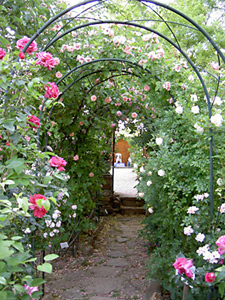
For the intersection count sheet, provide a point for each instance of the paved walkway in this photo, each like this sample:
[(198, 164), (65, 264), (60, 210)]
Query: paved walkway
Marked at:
[(116, 269), (125, 182)]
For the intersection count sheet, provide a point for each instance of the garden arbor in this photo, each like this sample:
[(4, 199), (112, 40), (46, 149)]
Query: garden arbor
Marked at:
[(112, 71), (83, 11)]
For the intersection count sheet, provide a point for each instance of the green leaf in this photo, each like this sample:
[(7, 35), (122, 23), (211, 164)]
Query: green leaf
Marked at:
[(46, 204), (16, 238), (19, 288), (37, 281), (3, 280), (50, 257), (59, 176), (9, 125), (52, 199), (46, 267), (47, 179)]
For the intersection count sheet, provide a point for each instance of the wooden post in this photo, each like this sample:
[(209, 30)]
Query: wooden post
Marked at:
[(185, 291)]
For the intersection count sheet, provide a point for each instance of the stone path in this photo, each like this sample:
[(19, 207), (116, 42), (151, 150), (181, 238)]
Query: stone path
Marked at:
[(115, 270)]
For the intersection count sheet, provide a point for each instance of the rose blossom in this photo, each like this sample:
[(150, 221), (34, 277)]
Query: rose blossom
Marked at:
[(149, 182), (183, 266), (150, 210), (192, 210), (46, 60), (30, 290), (141, 195), (161, 172), (118, 113), (58, 162), (221, 244), (2, 53), (200, 237), (217, 120), (210, 277), (34, 122), (76, 157), (146, 88), (195, 109), (20, 44), (188, 230), (58, 74), (167, 85), (159, 140), (215, 66), (108, 100), (134, 115), (93, 98), (52, 91), (39, 212), (179, 109), (91, 174), (112, 125)]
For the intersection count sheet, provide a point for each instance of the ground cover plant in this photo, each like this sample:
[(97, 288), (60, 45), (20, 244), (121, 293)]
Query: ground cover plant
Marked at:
[(62, 97)]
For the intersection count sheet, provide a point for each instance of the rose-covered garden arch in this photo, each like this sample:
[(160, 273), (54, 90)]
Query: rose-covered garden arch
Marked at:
[(138, 79)]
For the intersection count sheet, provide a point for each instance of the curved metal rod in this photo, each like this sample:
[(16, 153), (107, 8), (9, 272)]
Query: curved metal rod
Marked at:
[(170, 29), (189, 20), (169, 22), (72, 19), (151, 30)]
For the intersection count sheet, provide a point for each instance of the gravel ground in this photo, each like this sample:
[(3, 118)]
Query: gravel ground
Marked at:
[(125, 182)]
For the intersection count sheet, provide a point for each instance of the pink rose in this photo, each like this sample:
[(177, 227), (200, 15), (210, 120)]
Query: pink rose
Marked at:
[(46, 60), (58, 74), (39, 212), (221, 244), (215, 66), (183, 266), (118, 113), (112, 125), (167, 85), (108, 100), (76, 157), (52, 91), (134, 115), (20, 44), (57, 162), (93, 98), (2, 53), (34, 122), (146, 88), (57, 61), (91, 174), (210, 277), (125, 99)]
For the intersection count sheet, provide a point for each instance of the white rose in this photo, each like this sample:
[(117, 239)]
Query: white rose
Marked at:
[(149, 183), (179, 109), (195, 109), (161, 172), (159, 140), (141, 194)]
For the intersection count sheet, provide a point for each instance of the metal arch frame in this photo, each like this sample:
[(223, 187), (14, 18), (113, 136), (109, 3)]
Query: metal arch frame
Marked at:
[(199, 28)]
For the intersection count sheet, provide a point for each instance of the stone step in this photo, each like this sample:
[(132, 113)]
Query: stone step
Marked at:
[(129, 210), (132, 202)]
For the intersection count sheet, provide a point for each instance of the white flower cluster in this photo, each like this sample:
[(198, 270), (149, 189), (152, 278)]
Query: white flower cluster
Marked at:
[(53, 223), (217, 119), (188, 230), (179, 109), (192, 210), (222, 208), (200, 237), (199, 128), (159, 140), (201, 197), (211, 257)]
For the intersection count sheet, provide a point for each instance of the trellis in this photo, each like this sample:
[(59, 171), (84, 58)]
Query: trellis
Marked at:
[(172, 40)]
